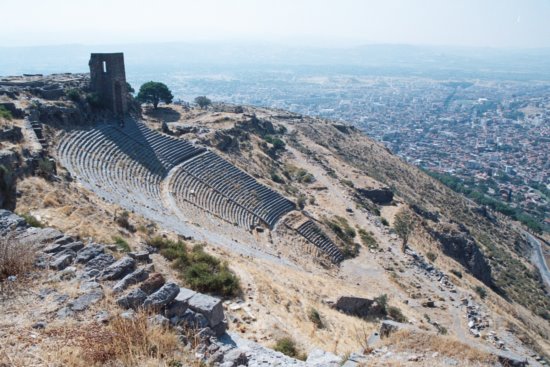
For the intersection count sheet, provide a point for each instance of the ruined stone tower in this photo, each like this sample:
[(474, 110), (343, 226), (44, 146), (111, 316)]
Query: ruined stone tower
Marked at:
[(108, 79)]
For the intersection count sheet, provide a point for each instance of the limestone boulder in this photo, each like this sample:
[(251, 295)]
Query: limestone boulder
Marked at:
[(358, 306), (166, 294), (89, 252), (210, 307), (86, 300), (133, 299), (119, 269), (180, 304), (10, 221), (133, 278), (63, 260), (153, 283), (100, 262)]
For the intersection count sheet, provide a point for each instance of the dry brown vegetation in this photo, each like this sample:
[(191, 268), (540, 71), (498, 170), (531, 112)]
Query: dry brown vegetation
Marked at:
[(125, 342), (16, 261), (406, 340)]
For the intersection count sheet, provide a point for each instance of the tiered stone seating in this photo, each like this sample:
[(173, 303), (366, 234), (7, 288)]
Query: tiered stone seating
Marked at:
[(316, 236), (240, 190), (129, 166), (189, 189), (105, 160)]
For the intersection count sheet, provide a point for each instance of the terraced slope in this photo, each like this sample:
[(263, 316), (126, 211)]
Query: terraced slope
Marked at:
[(133, 166)]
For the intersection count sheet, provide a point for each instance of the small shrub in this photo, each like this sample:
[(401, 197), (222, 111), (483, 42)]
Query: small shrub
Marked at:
[(457, 273), (73, 95), (389, 311), (382, 301), (122, 244), (31, 220), (384, 221), (312, 200), (301, 201), (123, 220), (201, 271), (276, 178), (208, 274), (396, 314), (304, 176), (94, 100), (431, 256), (342, 229), (287, 346), (348, 183), (315, 317), (368, 239), (278, 144), (5, 114), (482, 292), (45, 167)]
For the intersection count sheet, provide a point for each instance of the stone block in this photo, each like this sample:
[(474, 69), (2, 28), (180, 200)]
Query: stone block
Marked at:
[(180, 304), (166, 294), (119, 269), (209, 306)]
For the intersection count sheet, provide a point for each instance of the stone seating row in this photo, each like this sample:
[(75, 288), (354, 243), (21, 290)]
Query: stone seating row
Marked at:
[(315, 235)]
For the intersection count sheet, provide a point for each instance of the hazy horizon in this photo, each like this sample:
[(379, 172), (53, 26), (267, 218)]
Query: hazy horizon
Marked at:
[(504, 24)]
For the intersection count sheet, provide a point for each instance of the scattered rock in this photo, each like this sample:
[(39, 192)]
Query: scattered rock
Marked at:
[(180, 304), (194, 320), (10, 221), (133, 278), (103, 316), (39, 325), (153, 283), (234, 358), (210, 307), (166, 294), (128, 315), (65, 312), (389, 327), (89, 252), (358, 306), (133, 299), (62, 261), (119, 269), (429, 304), (100, 262), (158, 320), (89, 285), (320, 358), (142, 257), (73, 246), (381, 196), (83, 302)]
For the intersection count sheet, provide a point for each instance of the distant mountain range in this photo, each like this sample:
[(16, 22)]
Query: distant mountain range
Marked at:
[(387, 60)]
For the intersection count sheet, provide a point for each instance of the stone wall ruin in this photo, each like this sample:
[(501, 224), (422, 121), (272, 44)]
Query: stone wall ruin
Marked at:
[(108, 80)]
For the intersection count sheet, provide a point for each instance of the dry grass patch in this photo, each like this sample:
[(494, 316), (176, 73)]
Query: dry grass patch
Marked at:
[(16, 261), (123, 342), (406, 340)]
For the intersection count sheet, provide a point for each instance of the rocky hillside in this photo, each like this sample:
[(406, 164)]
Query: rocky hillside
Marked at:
[(459, 291)]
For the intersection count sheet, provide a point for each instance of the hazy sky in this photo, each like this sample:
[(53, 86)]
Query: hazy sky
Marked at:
[(494, 23)]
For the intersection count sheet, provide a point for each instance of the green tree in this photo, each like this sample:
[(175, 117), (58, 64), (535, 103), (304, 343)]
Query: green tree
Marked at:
[(404, 225), (154, 92), (203, 101)]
